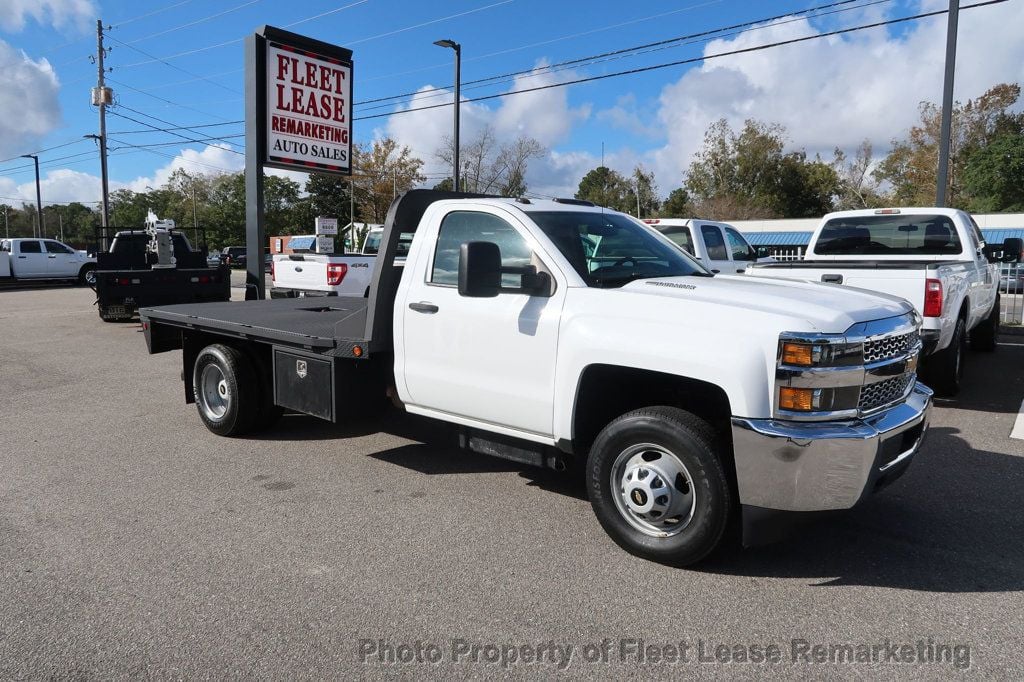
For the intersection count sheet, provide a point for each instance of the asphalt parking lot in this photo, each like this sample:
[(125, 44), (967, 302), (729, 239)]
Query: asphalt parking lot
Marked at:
[(135, 543)]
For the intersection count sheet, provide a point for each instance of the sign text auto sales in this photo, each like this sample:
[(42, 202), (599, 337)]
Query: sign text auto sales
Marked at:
[(309, 110)]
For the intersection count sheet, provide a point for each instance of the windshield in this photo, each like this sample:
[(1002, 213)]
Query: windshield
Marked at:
[(680, 234), (889, 235), (610, 250)]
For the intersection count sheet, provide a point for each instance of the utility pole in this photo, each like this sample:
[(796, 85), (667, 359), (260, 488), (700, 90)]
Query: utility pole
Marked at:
[(394, 184), (7, 228), (60, 219), (638, 199), (947, 104), (39, 197), (102, 96)]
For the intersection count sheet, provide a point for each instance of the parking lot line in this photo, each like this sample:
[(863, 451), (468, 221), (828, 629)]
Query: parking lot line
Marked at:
[(1018, 425)]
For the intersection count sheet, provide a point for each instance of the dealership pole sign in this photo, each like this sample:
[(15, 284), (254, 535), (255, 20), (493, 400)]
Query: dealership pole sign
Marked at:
[(309, 109), (298, 116)]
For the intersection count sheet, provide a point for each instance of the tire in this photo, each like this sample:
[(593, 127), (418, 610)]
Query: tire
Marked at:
[(87, 276), (226, 390), (676, 524), (985, 336), (945, 369)]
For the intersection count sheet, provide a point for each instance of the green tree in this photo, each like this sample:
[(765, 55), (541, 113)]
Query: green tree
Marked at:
[(748, 174), (994, 175), (606, 187), (911, 165), (385, 171), (677, 205)]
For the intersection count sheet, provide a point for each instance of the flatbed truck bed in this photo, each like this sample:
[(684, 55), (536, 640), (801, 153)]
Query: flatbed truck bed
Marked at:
[(324, 325)]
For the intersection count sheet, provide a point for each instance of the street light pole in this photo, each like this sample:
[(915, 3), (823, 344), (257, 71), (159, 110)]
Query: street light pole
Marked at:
[(39, 196), (458, 97), (947, 104)]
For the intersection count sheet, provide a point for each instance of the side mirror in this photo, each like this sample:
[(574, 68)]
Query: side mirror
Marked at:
[(1012, 248), (479, 269), (763, 252)]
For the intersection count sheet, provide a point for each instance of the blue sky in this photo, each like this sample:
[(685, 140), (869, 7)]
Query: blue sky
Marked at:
[(180, 62)]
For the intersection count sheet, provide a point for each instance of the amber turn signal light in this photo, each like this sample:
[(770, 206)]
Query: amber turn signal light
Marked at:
[(796, 399), (800, 354)]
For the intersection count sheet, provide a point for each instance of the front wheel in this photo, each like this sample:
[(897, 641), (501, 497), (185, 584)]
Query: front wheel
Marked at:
[(87, 276), (657, 485), (226, 390)]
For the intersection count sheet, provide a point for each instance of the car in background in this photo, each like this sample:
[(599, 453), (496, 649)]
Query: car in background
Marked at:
[(1011, 278), (233, 257)]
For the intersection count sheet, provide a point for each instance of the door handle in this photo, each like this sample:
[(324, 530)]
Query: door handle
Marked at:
[(22, 256), (424, 307), (832, 279), (52, 256)]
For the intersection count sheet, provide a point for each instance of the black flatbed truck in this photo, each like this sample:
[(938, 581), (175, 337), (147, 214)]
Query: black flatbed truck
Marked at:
[(309, 348), (127, 277)]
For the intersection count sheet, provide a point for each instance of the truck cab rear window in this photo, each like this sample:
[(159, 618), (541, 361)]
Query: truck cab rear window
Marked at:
[(889, 235)]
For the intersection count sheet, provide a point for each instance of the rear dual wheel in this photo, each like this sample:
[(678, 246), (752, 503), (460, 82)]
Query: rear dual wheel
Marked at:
[(232, 397)]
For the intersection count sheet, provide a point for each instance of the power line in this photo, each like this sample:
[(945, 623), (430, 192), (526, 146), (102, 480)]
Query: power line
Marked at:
[(691, 60), (195, 22), (162, 130), (172, 156), (149, 14), (163, 99), (48, 149), (201, 125), (174, 66), (349, 42), (505, 77)]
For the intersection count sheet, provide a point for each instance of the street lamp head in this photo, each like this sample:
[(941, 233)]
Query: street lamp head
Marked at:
[(447, 43), (29, 156)]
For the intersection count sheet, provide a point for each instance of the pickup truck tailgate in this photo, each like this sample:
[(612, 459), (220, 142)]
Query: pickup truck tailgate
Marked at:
[(904, 283), (300, 272)]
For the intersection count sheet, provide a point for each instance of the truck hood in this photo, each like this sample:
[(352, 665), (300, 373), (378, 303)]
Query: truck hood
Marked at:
[(827, 308)]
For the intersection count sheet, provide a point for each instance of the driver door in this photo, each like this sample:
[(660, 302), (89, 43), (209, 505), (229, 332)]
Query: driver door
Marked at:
[(486, 359)]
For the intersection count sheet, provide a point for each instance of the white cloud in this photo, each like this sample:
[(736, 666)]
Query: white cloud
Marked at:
[(839, 90), (544, 115), (211, 160), (60, 14), (29, 108)]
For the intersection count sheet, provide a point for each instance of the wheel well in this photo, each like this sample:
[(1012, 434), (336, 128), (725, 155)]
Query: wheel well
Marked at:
[(193, 342), (606, 392)]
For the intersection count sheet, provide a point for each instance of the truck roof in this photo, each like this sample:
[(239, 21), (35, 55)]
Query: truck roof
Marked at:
[(902, 210)]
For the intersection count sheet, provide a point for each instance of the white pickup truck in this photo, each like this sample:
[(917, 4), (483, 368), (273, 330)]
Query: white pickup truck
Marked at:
[(305, 274), (719, 246), (22, 259), (686, 397), (933, 257)]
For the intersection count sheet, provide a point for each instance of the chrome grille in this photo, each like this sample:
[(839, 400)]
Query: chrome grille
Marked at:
[(883, 392), (889, 347)]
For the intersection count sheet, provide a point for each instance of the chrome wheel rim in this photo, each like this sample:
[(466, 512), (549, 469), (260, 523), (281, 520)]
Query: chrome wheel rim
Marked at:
[(90, 277), (653, 490), (214, 394)]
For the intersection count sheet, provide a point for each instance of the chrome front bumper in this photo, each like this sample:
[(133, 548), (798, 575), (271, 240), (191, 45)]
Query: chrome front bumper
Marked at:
[(816, 466)]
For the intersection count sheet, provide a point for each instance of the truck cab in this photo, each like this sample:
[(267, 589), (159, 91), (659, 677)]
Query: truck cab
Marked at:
[(719, 246)]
